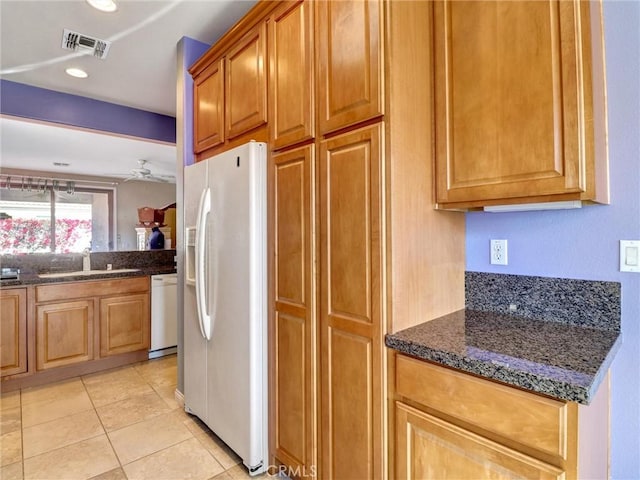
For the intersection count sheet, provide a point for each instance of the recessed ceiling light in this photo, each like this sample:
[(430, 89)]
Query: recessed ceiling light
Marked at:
[(103, 5), (61, 164), (76, 72)]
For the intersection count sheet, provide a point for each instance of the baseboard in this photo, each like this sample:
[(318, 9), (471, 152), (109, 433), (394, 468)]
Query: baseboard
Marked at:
[(179, 396), (162, 352)]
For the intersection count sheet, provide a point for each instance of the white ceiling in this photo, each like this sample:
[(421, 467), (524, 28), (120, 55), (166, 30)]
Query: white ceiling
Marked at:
[(139, 72)]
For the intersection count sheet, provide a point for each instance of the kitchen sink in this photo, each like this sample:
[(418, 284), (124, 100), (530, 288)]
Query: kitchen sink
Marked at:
[(87, 273)]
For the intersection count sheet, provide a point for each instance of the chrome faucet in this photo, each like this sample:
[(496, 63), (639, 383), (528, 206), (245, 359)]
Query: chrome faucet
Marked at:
[(86, 259)]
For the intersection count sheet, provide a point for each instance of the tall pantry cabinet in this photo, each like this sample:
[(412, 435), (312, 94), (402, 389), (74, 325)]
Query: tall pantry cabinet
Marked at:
[(292, 241), (356, 247)]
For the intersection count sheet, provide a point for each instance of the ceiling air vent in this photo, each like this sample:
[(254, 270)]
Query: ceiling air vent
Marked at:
[(79, 42)]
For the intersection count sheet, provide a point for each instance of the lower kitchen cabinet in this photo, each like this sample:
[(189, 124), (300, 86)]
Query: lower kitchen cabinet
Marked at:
[(64, 333), (452, 425), (13, 331), (124, 324), (429, 447), (62, 330)]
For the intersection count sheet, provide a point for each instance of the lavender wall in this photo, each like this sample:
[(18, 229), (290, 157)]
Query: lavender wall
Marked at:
[(583, 243), (35, 103), (188, 50), (192, 51)]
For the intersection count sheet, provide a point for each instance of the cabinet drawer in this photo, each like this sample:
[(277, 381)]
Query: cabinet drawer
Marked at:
[(528, 419), (97, 288)]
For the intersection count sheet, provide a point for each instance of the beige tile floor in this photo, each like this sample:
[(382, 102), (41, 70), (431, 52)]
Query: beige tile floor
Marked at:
[(119, 424)]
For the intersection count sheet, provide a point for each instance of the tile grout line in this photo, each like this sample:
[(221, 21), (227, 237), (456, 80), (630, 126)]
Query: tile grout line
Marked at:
[(104, 429), (135, 423), (224, 470), (62, 446)]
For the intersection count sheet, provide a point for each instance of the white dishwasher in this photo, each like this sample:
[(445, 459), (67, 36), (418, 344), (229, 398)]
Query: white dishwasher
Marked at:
[(164, 315)]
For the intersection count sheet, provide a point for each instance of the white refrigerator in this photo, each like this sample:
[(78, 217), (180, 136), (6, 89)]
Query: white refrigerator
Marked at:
[(225, 299)]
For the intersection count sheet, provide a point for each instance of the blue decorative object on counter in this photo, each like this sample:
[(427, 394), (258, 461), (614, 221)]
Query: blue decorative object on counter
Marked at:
[(156, 239)]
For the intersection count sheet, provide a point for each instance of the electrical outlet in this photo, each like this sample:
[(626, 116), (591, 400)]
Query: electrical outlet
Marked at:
[(499, 252)]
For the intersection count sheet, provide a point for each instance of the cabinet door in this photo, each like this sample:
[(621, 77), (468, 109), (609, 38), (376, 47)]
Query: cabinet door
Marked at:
[(351, 325), (294, 324), (208, 102), (508, 107), (246, 83), (291, 57), (13, 331), (64, 333), (124, 324), (349, 39), (428, 447)]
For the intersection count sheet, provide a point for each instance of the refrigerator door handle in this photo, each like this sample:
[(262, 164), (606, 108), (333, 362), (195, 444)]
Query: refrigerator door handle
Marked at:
[(204, 319)]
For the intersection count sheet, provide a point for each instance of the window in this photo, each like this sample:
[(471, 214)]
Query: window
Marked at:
[(60, 219)]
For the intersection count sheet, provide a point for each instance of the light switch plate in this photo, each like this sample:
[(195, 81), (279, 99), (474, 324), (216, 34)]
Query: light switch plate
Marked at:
[(630, 255)]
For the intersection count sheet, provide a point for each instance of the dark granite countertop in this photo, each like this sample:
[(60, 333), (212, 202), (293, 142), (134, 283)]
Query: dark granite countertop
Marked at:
[(556, 359), (146, 262), (31, 278)]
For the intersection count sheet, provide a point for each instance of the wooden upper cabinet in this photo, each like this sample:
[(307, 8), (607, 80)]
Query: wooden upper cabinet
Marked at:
[(246, 83), (350, 62), (291, 69), (13, 331), (208, 107), (519, 102)]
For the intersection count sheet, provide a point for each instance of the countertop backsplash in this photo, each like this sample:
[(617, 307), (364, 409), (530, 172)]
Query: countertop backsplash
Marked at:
[(584, 303), (69, 262)]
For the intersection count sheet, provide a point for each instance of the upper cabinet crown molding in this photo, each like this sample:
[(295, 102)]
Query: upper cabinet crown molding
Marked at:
[(254, 16), (520, 112)]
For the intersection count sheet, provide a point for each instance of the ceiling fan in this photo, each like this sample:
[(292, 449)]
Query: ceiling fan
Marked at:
[(144, 174)]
